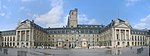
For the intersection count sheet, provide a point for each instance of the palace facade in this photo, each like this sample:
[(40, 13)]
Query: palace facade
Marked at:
[(119, 33)]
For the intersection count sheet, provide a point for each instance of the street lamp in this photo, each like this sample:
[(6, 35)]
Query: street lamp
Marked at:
[(93, 42)]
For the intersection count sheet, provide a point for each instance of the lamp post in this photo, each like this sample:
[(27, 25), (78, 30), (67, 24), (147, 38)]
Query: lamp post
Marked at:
[(93, 43)]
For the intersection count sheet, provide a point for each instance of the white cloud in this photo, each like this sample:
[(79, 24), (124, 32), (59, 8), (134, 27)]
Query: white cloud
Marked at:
[(26, 0), (4, 6), (131, 2), (53, 17), (144, 23), (0, 5), (2, 14), (21, 8), (83, 19)]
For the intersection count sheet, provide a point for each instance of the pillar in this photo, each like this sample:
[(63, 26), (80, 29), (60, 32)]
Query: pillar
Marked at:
[(29, 38), (20, 35), (129, 37), (120, 34), (126, 38)]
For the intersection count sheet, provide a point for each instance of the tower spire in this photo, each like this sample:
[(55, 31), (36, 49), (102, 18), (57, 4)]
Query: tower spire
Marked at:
[(72, 19)]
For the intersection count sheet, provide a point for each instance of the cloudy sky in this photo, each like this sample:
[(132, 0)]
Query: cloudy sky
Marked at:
[(54, 13)]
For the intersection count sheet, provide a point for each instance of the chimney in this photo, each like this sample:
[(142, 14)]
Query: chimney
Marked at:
[(33, 21)]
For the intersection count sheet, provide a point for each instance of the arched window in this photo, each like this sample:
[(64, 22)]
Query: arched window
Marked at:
[(26, 44), (118, 43)]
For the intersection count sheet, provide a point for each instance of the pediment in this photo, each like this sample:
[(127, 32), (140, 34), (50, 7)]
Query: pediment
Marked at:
[(23, 26), (122, 26)]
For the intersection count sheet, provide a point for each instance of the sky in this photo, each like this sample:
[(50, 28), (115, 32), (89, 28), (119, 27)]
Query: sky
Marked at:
[(54, 13)]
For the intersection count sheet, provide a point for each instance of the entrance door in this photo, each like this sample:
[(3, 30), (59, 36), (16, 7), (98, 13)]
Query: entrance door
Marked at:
[(60, 44), (84, 44), (128, 44)]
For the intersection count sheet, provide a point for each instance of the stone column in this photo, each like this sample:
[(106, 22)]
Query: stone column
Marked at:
[(16, 38), (129, 37), (9, 38), (125, 35), (115, 38), (12, 38), (6, 39), (20, 39), (120, 34), (31, 36), (25, 35), (20, 35)]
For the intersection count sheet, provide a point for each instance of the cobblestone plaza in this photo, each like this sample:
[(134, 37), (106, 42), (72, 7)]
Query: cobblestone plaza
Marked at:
[(127, 51)]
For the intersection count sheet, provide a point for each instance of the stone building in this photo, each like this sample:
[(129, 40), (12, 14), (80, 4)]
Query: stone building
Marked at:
[(139, 37), (27, 34), (119, 33), (0, 39), (148, 38)]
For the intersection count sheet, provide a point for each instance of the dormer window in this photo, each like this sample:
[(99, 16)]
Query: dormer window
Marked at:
[(72, 13)]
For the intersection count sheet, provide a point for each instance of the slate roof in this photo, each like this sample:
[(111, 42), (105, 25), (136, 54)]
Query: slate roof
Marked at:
[(35, 26), (139, 32), (80, 30), (9, 32)]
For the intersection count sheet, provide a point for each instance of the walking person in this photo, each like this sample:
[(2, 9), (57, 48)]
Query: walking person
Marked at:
[(5, 51)]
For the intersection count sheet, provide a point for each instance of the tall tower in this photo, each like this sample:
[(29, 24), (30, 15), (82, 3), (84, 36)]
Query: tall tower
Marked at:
[(72, 19)]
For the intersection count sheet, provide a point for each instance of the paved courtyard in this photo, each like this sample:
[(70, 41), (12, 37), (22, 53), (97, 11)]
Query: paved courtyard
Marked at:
[(76, 52)]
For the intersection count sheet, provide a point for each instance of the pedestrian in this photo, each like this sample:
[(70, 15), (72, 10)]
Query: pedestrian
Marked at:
[(141, 48), (137, 51), (5, 51), (131, 48), (0, 49)]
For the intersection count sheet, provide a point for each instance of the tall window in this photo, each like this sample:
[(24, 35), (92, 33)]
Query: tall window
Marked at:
[(143, 38), (135, 37), (132, 38), (2, 38), (27, 38), (5, 38), (18, 43), (13, 44), (132, 43), (122, 34), (18, 38), (27, 44), (118, 43), (117, 36), (140, 37)]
